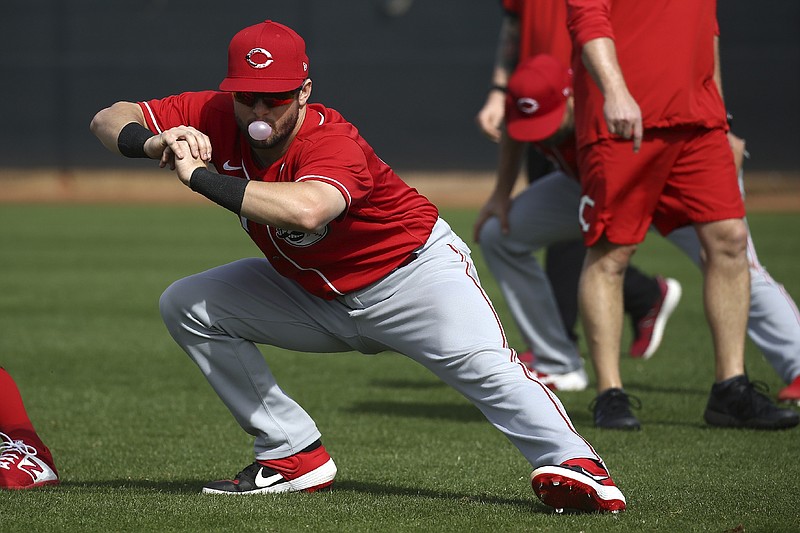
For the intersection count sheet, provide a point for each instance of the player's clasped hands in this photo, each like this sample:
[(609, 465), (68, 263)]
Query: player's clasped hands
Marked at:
[(182, 141), (187, 163)]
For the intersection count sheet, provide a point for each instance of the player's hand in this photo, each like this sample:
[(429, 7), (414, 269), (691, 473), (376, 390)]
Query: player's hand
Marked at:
[(497, 206), (623, 117), (739, 152), (177, 143), (490, 117), (184, 166)]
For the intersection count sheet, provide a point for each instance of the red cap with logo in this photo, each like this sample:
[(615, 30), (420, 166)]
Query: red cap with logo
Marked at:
[(537, 97), (267, 58)]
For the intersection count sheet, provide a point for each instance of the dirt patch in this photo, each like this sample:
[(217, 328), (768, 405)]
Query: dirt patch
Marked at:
[(765, 191)]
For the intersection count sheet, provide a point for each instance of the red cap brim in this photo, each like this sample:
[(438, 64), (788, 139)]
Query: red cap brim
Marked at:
[(526, 128), (260, 85)]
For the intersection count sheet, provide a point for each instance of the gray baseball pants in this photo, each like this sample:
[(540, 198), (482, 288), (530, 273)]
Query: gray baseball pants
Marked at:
[(433, 310)]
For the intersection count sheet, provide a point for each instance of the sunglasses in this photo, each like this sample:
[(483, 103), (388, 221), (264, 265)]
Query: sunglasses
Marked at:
[(270, 99)]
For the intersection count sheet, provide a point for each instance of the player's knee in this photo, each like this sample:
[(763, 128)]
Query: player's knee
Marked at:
[(611, 259), (491, 234), (491, 229), (175, 301), (726, 238)]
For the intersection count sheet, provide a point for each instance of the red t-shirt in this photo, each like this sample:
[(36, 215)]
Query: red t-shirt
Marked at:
[(543, 28), (666, 51), (384, 222)]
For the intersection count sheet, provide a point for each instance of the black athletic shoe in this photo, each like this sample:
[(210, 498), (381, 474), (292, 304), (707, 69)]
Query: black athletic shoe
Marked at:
[(740, 403), (612, 410), (310, 470)]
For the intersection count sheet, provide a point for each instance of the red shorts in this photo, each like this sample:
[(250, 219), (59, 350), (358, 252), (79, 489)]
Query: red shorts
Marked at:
[(679, 176)]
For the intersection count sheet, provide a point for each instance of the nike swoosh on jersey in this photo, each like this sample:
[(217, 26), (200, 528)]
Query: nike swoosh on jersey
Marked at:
[(262, 481), (227, 166)]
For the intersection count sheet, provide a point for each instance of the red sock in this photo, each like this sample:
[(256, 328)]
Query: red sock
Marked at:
[(12, 411)]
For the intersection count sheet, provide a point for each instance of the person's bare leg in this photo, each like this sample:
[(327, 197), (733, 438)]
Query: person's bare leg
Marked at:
[(600, 295), (726, 292)]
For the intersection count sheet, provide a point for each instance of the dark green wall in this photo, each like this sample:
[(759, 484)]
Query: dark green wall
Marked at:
[(412, 82)]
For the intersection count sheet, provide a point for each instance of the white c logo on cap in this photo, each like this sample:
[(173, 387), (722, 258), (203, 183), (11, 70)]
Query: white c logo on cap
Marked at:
[(254, 51), (528, 106)]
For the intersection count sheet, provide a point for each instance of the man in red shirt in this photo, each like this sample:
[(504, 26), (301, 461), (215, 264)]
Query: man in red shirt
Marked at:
[(653, 148), (540, 110), (529, 28), (355, 259)]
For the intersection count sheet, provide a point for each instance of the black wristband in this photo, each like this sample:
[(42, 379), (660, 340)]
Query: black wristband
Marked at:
[(227, 191), (496, 87), (131, 139)]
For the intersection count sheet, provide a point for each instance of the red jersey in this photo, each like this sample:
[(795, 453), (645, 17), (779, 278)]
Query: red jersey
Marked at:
[(543, 28), (665, 49), (385, 219)]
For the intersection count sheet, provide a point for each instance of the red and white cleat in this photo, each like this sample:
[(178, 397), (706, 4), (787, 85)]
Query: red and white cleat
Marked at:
[(578, 484), (25, 462)]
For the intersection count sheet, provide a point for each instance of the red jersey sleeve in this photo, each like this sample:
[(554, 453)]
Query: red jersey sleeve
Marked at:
[(587, 20), (339, 161), (171, 111)]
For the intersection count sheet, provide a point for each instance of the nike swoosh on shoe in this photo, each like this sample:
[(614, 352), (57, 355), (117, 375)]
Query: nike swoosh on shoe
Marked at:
[(261, 481)]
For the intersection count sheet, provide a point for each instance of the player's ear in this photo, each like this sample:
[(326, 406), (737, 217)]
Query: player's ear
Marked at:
[(305, 92)]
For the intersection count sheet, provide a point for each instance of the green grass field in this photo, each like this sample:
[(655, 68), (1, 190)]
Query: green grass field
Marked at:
[(136, 431)]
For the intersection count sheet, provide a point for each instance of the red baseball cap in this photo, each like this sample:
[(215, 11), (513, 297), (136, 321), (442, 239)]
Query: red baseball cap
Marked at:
[(267, 58), (537, 97)]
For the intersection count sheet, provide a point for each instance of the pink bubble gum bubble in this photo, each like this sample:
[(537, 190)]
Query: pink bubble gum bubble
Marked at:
[(259, 130)]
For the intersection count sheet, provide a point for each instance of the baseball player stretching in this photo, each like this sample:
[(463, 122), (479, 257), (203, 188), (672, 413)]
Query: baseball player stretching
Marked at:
[(545, 211), (354, 260)]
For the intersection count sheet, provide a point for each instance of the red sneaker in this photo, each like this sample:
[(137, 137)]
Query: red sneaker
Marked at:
[(25, 462), (582, 484), (649, 330), (791, 393), (308, 471)]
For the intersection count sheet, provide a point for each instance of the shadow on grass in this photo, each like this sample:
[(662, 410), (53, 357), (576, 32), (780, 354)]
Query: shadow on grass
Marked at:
[(193, 487), (407, 384), (585, 419), (633, 387), (184, 486), (438, 411), (379, 489)]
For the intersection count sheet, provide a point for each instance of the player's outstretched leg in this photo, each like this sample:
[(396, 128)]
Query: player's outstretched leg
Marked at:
[(307, 471), (578, 484)]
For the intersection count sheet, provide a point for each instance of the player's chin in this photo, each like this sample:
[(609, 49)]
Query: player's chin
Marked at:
[(270, 142)]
